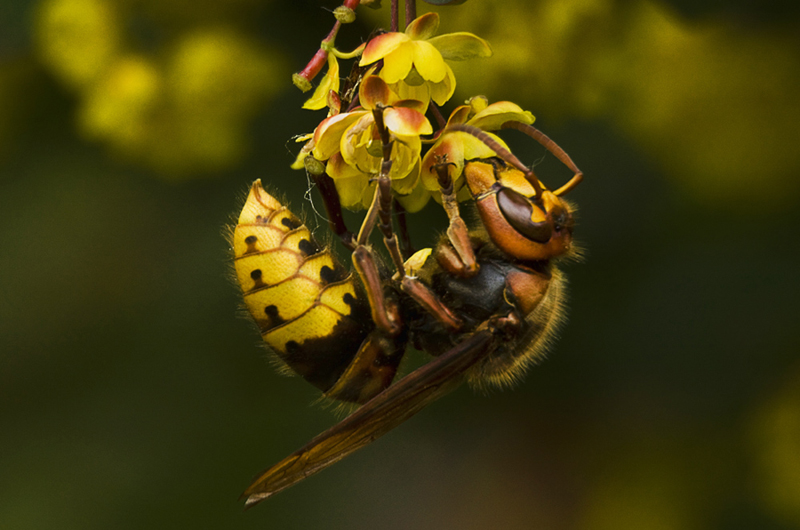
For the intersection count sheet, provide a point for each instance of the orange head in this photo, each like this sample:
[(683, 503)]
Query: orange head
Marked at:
[(523, 224)]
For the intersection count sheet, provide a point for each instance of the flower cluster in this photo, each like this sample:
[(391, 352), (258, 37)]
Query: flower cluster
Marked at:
[(404, 74), (351, 144)]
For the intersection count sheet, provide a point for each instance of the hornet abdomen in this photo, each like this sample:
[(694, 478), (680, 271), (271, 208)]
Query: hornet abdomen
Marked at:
[(306, 305), (310, 310)]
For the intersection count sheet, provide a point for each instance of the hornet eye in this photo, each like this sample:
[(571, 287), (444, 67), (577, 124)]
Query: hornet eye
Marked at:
[(517, 210)]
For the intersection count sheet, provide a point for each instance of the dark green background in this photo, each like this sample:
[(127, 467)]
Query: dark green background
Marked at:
[(133, 396)]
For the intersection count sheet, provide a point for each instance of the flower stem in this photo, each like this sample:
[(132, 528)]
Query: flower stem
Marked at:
[(411, 11), (395, 24)]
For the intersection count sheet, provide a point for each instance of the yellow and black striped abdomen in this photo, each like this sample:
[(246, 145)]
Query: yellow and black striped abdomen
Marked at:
[(306, 305)]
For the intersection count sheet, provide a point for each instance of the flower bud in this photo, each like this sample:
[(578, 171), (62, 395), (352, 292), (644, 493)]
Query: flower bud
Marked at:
[(344, 14)]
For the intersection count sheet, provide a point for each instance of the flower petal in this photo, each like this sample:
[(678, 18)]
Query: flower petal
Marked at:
[(460, 46), (350, 183), (406, 122), (406, 184), (459, 115), (304, 152), (495, 115), (416, 200), (441, 92), (381, 46), (417, 261), (405, 160), (413, 104), (374, 92), (329, 132), (397, 64), (354, 142), (405, 91), (428, 61), (424, 27), (474, 148)]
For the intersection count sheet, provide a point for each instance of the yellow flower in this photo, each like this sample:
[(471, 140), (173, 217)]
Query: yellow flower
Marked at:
[(350, 143), (459, 147), (414, 62)]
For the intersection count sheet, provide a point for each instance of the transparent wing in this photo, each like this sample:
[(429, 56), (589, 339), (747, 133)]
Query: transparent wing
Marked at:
[(373, 419)]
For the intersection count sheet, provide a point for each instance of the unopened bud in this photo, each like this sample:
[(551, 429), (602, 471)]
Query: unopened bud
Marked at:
[(334, 103), (313, 166), (344, 14), (477, 104)]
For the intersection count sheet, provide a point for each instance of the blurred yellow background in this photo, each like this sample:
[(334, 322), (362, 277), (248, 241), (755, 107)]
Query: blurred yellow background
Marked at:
[(132, 395)]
